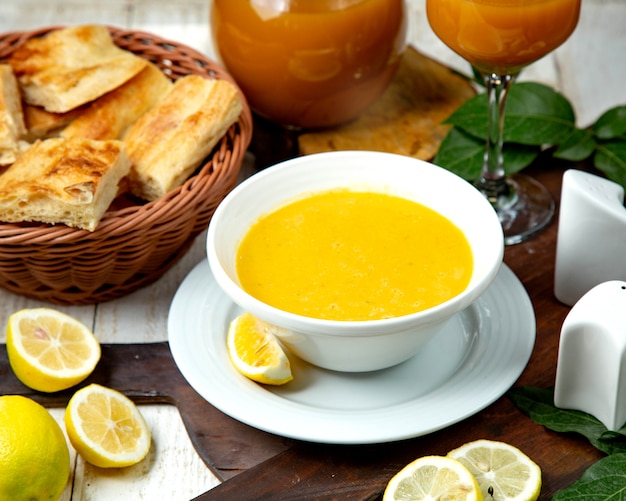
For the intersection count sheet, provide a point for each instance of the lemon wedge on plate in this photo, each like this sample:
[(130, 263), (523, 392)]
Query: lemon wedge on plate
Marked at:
[(433, 477), (49, 350), (255, 352), (106, 428), (503, 472)]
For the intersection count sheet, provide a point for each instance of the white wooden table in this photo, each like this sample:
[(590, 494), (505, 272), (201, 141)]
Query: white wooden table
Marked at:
[(590, 69)]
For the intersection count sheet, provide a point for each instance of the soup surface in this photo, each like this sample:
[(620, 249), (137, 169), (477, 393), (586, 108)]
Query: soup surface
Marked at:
[(350, 255)]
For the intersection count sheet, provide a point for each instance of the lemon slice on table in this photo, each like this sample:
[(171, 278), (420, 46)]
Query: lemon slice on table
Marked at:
[(433, 477), (50, 351), (255, 352), (106, 428), (503, 472)]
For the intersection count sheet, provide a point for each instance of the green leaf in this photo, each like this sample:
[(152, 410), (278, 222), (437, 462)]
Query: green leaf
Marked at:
[(580, 144), (535, 115), (471, 117), (518, 156), (462, 154), (537, 118), (603, 481), (538, 404), (610, 158), (611, 124)]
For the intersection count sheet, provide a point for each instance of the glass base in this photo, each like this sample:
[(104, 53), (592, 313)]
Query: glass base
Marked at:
[(526, 209)]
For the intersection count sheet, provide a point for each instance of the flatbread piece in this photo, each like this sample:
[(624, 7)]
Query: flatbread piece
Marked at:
[(12, 128), (170, 141), (70, 181), (72, 66), (109, 116)]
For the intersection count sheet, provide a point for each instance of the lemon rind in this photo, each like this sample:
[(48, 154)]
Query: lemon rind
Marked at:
[(91, 451), (534, 483)]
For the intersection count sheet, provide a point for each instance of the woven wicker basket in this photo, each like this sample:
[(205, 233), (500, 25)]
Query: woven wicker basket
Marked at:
[(133, 246)]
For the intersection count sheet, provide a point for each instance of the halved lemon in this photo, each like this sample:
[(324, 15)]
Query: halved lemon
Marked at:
[(503, 471), (433, 477), (106, 428), (49, 350), (255, 352)]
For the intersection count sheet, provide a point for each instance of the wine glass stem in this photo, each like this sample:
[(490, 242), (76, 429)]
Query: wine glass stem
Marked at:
[(492, 181)]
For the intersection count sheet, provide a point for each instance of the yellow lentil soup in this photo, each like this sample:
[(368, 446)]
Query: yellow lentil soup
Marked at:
[(354, 255)]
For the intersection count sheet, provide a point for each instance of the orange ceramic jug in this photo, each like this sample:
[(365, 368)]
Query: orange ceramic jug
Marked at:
[(310, 63)]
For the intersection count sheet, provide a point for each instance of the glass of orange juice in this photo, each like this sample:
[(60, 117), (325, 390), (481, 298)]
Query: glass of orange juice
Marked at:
[(310, 63), (499, 38)]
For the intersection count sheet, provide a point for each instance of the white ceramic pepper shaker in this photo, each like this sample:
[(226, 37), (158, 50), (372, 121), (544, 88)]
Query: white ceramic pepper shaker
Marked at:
[(591, 240), (591, 366)]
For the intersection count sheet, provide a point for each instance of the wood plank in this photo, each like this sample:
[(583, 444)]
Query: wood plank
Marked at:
[(147, 374), (156, 477), (141, 317)]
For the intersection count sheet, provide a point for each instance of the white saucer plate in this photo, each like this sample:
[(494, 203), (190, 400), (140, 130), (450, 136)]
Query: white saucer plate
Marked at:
[(476, 358)]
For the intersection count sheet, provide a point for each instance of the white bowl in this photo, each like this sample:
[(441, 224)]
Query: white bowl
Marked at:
[(355, 346)]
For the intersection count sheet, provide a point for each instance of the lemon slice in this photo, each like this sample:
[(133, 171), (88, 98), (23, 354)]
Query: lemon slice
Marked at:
[(431, 478), (255, 352), (106, 428), (503, 472), (50, 351)]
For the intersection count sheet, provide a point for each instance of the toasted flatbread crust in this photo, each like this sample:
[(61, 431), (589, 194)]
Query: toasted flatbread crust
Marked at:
[(170, 141), (12, 128), (72, 66), (70, 181), (42, 124), (109, 116), (406, 119)]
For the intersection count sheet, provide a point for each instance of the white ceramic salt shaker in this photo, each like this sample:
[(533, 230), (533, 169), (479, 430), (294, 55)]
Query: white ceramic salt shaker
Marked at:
[(591, 239), (591, 366)]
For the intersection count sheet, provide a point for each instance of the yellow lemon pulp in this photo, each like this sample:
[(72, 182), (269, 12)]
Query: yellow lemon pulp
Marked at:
[(255, 352), (433, 477), (106, 428), (502, 471), (352, 255), (34, 457), (50, 351)]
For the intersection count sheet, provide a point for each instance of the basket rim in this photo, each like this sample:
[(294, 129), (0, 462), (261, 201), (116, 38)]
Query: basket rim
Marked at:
[(32, 233)]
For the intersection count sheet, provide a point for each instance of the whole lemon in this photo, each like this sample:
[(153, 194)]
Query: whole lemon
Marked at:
[(34, 457)]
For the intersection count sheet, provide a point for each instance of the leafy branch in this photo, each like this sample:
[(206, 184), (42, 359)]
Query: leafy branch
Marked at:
[(538, 119), (538, 404), (603, 481)]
